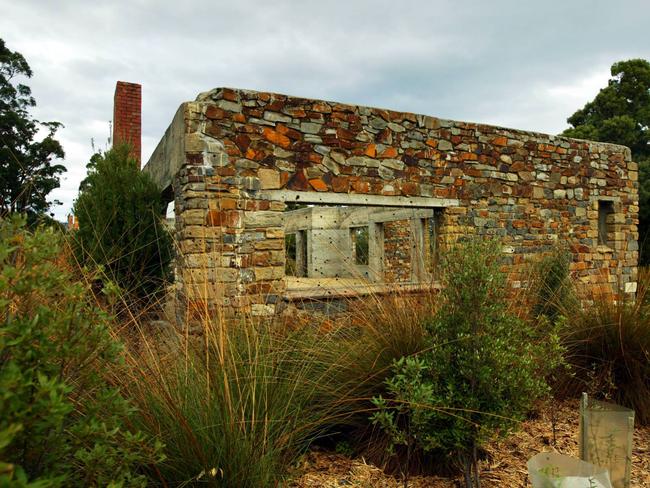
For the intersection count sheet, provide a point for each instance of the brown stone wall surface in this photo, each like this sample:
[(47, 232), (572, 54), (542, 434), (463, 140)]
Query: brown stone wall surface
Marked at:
[(530, 190), (397, 251)]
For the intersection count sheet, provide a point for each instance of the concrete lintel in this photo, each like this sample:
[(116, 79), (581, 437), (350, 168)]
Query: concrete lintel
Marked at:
[(356, 199), (605, 198)]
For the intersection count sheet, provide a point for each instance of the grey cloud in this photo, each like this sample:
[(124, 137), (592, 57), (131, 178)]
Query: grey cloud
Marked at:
[(482, 61)]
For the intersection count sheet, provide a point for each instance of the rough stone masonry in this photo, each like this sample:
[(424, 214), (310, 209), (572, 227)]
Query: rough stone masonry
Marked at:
[(233, 158)]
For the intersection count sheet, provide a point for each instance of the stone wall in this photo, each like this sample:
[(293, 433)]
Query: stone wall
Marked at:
[(398, 245), (234, 157)]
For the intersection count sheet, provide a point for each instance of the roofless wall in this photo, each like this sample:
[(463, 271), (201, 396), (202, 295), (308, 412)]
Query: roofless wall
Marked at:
[(233, 160)]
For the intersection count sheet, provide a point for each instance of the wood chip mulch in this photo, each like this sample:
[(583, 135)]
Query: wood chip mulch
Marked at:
[(504, 466)]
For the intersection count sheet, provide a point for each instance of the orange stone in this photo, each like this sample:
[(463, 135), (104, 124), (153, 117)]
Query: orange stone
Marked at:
[(276, 138), (290, 133), (431, 142), (500, 141), (410, 188), (389, 152), (315, 158), (214, 112), (371, 150), (361, 186), (297, 112), (321, 107), (519, 224), (227, 203), (262, 258), (318, 184), (229, 94), (225, 218), (468, 156)]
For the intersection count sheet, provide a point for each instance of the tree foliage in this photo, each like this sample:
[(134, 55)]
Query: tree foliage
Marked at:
[(28, 172), (62, 423), (119, 211), (620, 114)]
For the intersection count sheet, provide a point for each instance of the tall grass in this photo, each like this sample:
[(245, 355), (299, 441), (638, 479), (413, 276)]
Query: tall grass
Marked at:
[(607, 341), (608, 348), (238, 405), (239, 408)]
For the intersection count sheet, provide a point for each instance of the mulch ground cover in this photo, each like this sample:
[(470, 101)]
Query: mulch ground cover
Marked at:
[(504, 466)]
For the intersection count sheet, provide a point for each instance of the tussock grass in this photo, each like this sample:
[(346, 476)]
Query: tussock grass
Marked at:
[(607, 343), (238, 404), (237, 408), (608, 348)]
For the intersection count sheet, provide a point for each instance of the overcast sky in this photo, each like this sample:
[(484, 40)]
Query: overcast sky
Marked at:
[(527, 65)]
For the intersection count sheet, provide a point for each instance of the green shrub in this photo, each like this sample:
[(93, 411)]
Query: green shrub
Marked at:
[(61, 421), (120, 210), (483, 371)]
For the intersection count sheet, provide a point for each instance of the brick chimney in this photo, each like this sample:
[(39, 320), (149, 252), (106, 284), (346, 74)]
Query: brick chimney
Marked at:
[(127, 117)]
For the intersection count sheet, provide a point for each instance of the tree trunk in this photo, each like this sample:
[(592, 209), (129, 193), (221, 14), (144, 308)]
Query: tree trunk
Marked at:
[(467, 471), (475, 465)]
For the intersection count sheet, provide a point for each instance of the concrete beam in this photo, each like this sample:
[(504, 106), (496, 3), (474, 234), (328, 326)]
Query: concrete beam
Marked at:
[(355, 199)]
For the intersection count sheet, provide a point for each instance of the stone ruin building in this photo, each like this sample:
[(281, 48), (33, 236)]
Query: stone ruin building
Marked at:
[(284, 202)]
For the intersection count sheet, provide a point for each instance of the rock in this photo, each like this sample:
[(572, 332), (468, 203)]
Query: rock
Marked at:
[(318, 184), (276, 138), (269, 179), (310, 127), (444, 145), (277, 117)]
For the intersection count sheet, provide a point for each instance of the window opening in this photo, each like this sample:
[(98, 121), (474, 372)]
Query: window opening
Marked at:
[(605, 221), (431, 230), (353, 246), (360, 245), (295, 246)]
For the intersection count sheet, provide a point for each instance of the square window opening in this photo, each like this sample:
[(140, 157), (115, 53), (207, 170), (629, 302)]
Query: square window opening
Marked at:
[(332, 248)]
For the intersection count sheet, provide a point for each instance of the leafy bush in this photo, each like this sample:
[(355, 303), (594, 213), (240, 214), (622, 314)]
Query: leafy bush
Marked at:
[(483, 371), (119, 210), (61, 421)]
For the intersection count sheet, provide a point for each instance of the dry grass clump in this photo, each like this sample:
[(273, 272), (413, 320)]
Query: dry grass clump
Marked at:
[(236, 409), (608, 350), (238, 404)]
